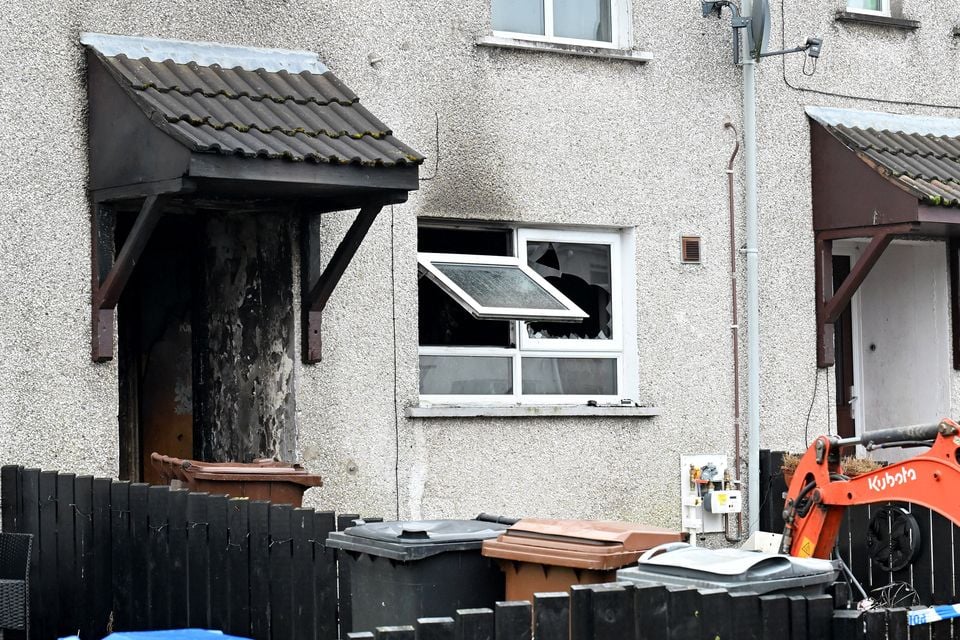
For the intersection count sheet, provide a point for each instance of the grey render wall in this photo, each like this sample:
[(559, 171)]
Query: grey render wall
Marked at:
[(524, 137)]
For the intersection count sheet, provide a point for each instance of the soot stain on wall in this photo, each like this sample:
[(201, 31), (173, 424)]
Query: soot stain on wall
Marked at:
[(245, 404)]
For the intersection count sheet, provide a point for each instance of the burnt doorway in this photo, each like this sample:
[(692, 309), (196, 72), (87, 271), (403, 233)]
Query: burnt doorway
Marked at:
[(843, 349), (155, 327), (206, 342)]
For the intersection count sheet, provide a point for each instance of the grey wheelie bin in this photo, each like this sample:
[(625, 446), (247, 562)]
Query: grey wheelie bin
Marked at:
[(401, 571)]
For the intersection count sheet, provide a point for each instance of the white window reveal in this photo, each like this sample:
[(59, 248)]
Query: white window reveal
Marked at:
[(543, 324), (870, 7), (596, 23)]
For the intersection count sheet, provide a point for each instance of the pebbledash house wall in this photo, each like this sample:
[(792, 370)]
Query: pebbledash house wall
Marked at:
[(526, 138)]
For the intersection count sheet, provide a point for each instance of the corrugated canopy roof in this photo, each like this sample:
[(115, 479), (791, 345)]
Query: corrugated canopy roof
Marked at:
[(920, 154), (257, 103)]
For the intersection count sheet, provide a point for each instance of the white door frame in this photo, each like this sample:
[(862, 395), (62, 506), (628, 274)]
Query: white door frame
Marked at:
[(853, 248)]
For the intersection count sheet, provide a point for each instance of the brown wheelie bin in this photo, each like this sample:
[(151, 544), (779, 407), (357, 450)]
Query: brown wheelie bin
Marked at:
[(278, 482), (552, 555)]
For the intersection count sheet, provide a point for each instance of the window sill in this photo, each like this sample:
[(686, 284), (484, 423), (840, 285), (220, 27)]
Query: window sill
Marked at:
[(531, 411), (630, 55), (882, 21)]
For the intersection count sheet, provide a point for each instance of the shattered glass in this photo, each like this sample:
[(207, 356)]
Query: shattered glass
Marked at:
[(583, 273)]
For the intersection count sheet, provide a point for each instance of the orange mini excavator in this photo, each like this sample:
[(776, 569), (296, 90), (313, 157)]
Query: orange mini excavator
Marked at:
[(820, 492)]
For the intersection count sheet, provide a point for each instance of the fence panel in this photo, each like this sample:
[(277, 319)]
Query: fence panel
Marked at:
[(260, 569), (46, 543), (745, 611), (281, 572), (66, 551), (301, 581), (324, 575), (83, 519), (474, 624), (551, 619), (121, 556), (102, 558), (715, 619), (435, 629), (512, 620), (217, 539), (139, 535), (178, 554), (238, 566), (158, 558), (198, 566)]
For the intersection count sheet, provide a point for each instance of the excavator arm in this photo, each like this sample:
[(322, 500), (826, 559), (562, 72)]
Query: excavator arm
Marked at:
[(820, 492)]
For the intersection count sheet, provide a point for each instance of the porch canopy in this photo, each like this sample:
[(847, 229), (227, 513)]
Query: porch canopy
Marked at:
[(880, 176), (180, 126)]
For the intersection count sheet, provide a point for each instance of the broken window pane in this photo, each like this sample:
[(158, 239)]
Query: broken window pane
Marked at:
[(583, 273), (569, 376), (466, 375)]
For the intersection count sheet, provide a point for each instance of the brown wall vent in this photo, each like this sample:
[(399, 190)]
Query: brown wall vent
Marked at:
[(690, 249)]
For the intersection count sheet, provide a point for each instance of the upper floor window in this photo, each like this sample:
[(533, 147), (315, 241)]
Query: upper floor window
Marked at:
[(872, 7), (597, 23)]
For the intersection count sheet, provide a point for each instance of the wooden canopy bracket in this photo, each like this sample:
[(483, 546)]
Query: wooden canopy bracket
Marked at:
[(109, 276), (830, 304), (317, 285)]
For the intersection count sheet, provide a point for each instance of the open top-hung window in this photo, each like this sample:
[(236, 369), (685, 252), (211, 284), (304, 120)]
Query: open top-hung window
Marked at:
[(495, 287), (522, 316), (598, 23)]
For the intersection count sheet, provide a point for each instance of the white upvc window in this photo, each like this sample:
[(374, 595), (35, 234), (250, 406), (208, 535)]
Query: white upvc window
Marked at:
[(593, 23), (529, 358), (869, 7)]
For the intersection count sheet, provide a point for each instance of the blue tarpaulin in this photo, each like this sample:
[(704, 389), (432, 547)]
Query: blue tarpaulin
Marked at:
[(169, 634)]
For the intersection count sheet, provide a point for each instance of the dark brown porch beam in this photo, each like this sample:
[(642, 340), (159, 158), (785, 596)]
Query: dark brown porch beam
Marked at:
[(318, 293), (830, 305), (106, 292), (823, 278), (841, 298)]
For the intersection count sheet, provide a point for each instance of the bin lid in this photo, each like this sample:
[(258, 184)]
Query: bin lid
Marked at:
[(256, 471), (582, 544), (733, 569), (414, 539)]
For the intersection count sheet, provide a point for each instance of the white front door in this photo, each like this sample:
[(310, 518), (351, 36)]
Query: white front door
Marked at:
[(902, 340)]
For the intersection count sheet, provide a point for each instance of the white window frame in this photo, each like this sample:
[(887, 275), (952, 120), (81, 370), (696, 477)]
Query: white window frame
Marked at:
[(884, 9), (611, 239), (427, 260), (620, 21), (623, 282)]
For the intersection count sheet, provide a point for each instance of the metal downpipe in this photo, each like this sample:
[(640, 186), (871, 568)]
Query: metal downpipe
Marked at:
[(753, 286)]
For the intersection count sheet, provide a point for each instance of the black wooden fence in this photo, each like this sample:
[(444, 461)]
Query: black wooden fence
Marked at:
[(624, 612), (934, 575), (110, 555)]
